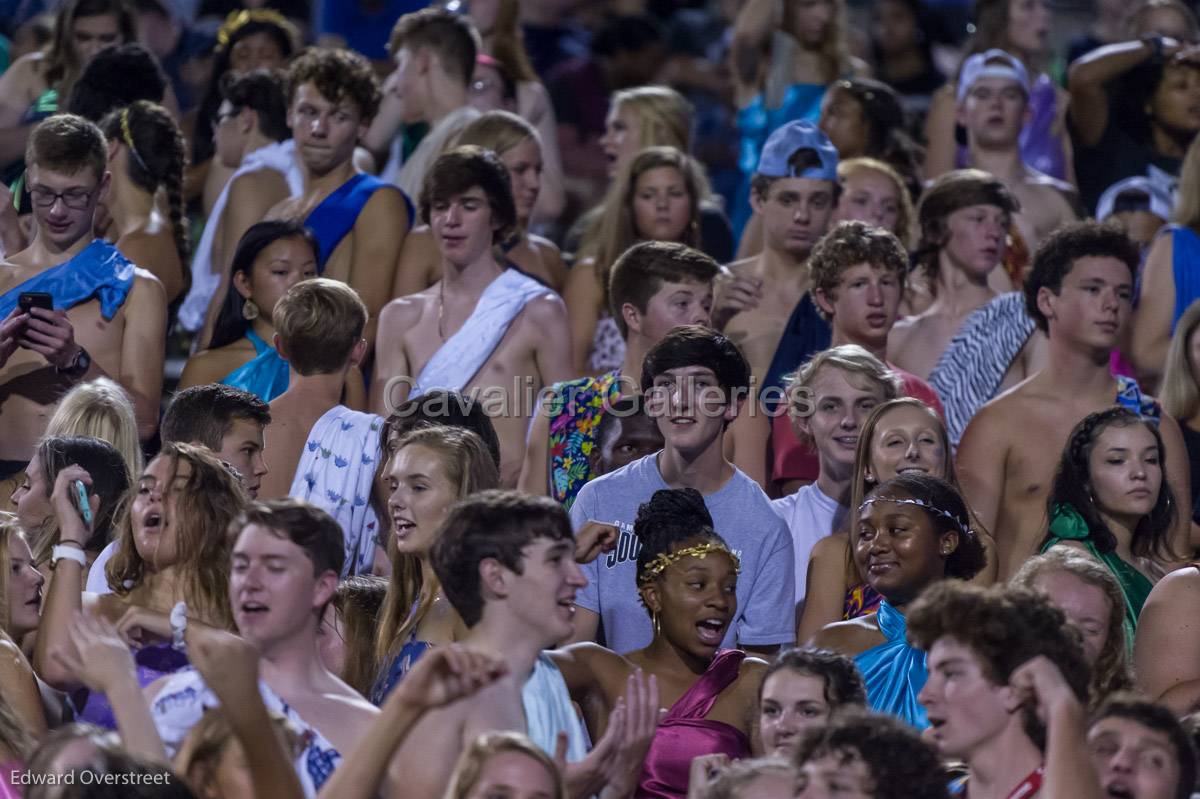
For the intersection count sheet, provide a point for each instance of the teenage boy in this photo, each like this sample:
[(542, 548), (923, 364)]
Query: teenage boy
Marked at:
[(434, 54), (482, 330), (653, 287), (252, 138), (993, 107), (1079, 293), (284, 570), (858, 274), (507, 563), (324, 452), (699, 381), (1140, 750), (832, 396), (108, 318), (360, 221), (1007, 690), (225, 419), (624, 437), (765, 307)]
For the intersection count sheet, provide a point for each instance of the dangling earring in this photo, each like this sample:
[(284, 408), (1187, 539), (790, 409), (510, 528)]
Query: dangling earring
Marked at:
[(249, 310), (656, 624)]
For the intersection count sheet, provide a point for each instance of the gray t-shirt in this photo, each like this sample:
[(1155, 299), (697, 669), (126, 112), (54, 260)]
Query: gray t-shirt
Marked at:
[(742, 515)]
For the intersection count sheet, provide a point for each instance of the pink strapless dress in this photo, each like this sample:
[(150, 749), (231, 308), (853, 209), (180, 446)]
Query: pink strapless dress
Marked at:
[(685, 734)]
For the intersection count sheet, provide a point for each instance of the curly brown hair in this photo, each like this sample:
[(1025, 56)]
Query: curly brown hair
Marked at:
[(850, 244), (1004, 626), (901, 765), (1058, 252), (338, 75)]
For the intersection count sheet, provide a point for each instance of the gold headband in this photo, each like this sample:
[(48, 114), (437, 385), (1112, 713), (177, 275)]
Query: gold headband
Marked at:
[(127, 135), (237, 19), (665, 559)]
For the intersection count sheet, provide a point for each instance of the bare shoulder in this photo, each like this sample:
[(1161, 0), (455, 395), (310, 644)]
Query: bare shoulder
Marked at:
[(147, 289), (830, 546), (1180, 587), (388, 200), (349, 702), (211, 366), (404, 312), (287, 209), (546, 308), (257, 181), (753, 668)]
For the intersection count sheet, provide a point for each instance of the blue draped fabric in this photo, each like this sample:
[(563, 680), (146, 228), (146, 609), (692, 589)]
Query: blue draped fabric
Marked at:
[(335, 216), (265, 376), (1185, 268), (98, 271), (895, 671)]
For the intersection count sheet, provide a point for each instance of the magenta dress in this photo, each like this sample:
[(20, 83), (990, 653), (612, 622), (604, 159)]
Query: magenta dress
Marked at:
[(685, 734)]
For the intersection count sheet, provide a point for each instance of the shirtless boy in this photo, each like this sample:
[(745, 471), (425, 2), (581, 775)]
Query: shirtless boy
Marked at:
[(481, 329), (795, 192), (360, 222), (993, 106), (964, 218), (109, 317), (1079, 293)]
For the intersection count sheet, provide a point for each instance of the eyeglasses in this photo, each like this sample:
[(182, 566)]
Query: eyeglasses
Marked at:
[(75, 199)]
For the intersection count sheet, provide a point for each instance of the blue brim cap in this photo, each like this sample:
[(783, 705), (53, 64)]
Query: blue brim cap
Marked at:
[(775, 161)]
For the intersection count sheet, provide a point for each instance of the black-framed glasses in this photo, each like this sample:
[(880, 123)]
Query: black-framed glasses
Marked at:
[(75, 199)]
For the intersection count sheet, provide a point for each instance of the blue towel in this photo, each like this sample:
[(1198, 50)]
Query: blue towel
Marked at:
[(895, 671), (265, 376), (99, 271), (335, 216)]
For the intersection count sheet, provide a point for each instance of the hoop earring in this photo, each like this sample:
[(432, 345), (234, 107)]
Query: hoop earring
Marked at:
[(249, 311), (656, 624)]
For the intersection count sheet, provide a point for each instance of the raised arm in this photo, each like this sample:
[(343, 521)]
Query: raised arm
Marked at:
[(942, 150), (1088, 76), (64, 598), (752, 30), (379, 235), (1156, 309), (442, 676), (1166, 652)]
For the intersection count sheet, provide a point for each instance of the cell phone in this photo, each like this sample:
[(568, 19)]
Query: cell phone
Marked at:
[(81, 501), (34, 299)]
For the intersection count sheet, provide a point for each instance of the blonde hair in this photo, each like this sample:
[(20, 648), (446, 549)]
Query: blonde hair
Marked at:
[(206, 742), (850, 358), (469, 466), (1111, 670), (664, 115), (498, 131), (100, 409), (735, 780), (616, 231), (319, 322), (471, 762), (208, 505), (1180, 396), (907, 216), (9, 526), (1187, 199)]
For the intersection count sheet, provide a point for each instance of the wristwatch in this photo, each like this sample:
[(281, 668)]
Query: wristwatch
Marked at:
[(78, 366)]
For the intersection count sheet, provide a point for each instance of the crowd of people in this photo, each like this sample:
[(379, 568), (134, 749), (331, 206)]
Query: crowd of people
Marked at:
[(557, 398)]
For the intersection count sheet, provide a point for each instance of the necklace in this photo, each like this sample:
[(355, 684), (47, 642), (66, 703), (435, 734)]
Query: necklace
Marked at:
[(441, 308)]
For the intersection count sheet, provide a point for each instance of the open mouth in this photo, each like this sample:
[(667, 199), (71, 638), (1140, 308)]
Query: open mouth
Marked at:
[(566, 606), (847, 441), (152, 522), (711, 631), (1119, 790), (402, 527), (253, 608), (878, 567), (682, 420)]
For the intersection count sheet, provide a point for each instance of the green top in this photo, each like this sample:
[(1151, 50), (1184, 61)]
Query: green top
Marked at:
[(1068, 525)]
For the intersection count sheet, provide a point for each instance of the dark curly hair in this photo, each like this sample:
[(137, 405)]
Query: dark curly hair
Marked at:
[(672, 517), (901, 765), (1057, 254), (338, 75), (968, 558), (843, 683), (1155, 717), (1073, 486), (462, 168), (1004, 626)]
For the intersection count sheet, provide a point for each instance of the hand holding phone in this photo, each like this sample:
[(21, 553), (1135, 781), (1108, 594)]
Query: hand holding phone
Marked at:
[(81, 502), (27, 300)]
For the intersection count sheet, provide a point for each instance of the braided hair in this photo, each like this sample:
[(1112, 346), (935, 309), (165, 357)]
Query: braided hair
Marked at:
[(672, 517), (157, 156), (1073, 486)]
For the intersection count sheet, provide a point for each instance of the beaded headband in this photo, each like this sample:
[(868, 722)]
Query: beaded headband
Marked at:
[(127, 135), (920, 503), (237, 19), (665, 559)]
